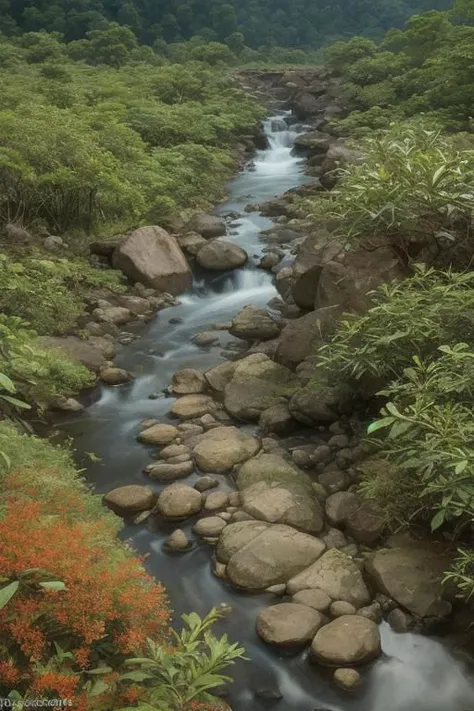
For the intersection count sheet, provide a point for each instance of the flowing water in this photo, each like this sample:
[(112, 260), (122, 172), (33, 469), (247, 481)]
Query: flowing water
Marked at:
[(415, 673)]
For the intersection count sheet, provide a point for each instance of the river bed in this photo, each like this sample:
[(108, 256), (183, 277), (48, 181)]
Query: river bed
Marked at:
[(415, 673)]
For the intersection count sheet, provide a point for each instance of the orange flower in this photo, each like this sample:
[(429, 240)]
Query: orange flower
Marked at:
[(9, 674)]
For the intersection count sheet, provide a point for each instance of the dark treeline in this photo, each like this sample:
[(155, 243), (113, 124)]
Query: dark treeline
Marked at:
[(287, 23)]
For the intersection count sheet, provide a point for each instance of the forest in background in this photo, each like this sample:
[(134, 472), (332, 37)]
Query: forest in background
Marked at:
[(287, 23)]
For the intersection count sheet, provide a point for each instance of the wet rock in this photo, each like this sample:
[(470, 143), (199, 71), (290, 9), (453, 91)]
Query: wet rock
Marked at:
[(188, 382), (270, 260), (114, 376), (190, 407), (205, 483), (216, 501), (291, 506), (257, 384), (174, 450), (399, 621), (179, 501), (234, 499), (153, 257), (222, 448), (277, 419), (412, 576), (340, 608), (347, 678), (334, 480), (276, 589), (208, 226), (206, 338), (272, 557), (69, 404), (177, 541), (315, 404), (340, 506), (209, 527), (221, 256), (158, 434), (170, 471), (314, 142), (137, 305), (191, 242), (317, 599), (242, 516), (337, 575), (288, 625), (253, 324), (366, 523), (219, 570), (128, 500), (237, 536), (348, 640), (179, 459)]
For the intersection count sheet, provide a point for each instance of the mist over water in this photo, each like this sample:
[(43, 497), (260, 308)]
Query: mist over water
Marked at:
[(415, 673)]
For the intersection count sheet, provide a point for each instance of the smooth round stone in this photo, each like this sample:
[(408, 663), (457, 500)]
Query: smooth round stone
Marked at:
[(216, 501), (179, 501), (346, 641), (340, 608), (209, 527), (190, 406), (174, 450), (317, 599), (158, 434), (177, 541), (347, 678), (167, 471), (205, 483), (127, 500), (288, 625), (115, 376)]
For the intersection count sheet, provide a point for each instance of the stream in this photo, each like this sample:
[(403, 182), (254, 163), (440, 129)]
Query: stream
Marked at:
[(415, 673)]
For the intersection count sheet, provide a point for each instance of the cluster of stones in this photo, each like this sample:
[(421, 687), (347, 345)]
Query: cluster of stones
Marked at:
[(295, 527)]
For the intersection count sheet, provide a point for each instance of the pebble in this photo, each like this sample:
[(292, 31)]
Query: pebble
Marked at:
[(347, 678), (177, 541), (205, 483)]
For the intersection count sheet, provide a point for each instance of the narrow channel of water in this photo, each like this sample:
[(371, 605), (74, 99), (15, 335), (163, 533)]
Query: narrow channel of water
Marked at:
[(416, 673)]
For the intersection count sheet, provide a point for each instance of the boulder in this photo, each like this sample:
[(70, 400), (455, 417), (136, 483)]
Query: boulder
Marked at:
[(338, 156), (253, 324), (53, 243), (174, 450), (257, 384), (366, 523), (216, 501), (189, 407), (220, 256), (272, 557), (204, 483), (158, 434), (153, 257), (191, 242), (277, 419), (346, 283), (314, 142), (206, 338), (221, 375), (177, 541), (168, 471), (114, 376), (317, 599), (339, 507), (17, 235), (288, 625), (105, 345), (337, 575), (317, 403), (77, 350), (188, 382), (283, 505), (209, 527), (348, 640), (128, 500), (137, 305), (222, 448), (117, 315), (304, 105), (301, 337), (275, 471), (207, 226), (340, 608), (179, 501), (270, 260), (412, 576), (237, 536)]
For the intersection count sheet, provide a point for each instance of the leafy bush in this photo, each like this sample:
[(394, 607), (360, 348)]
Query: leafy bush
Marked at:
[(415, 186), (409, 318)]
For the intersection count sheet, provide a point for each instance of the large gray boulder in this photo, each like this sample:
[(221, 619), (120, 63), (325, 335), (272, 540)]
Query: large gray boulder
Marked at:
[(348, 640), (316, 403), (179, 501), (128, 500), (220, 449), (272, 557), (301, 337), (237, 536), (257, 384), (188, 382), (253, 324), (207, 226), (153, 257), (288, 624), (218, 255), (278, 504), (220, 376), (412, 576), (337, 575)]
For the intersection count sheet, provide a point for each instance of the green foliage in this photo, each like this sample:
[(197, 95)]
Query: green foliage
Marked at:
[(187, 673), (410, 318), (414, 186), (41, 375)]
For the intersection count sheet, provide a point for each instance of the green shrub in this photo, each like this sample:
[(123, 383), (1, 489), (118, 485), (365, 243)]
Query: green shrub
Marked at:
[(415, 186)]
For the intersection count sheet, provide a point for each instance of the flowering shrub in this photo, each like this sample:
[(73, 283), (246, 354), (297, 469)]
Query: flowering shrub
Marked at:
[(108, 604)]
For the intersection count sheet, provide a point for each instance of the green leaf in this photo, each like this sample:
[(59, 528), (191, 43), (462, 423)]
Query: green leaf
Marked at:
[(6, 459), (53, 585), (138, 676), (7, 593), (380, 424), (461, 466), (16, 403), (6, 383), (100, 670), (438, 520)]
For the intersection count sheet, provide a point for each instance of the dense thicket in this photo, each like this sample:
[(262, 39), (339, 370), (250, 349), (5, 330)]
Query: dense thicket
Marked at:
[(262, 22)]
